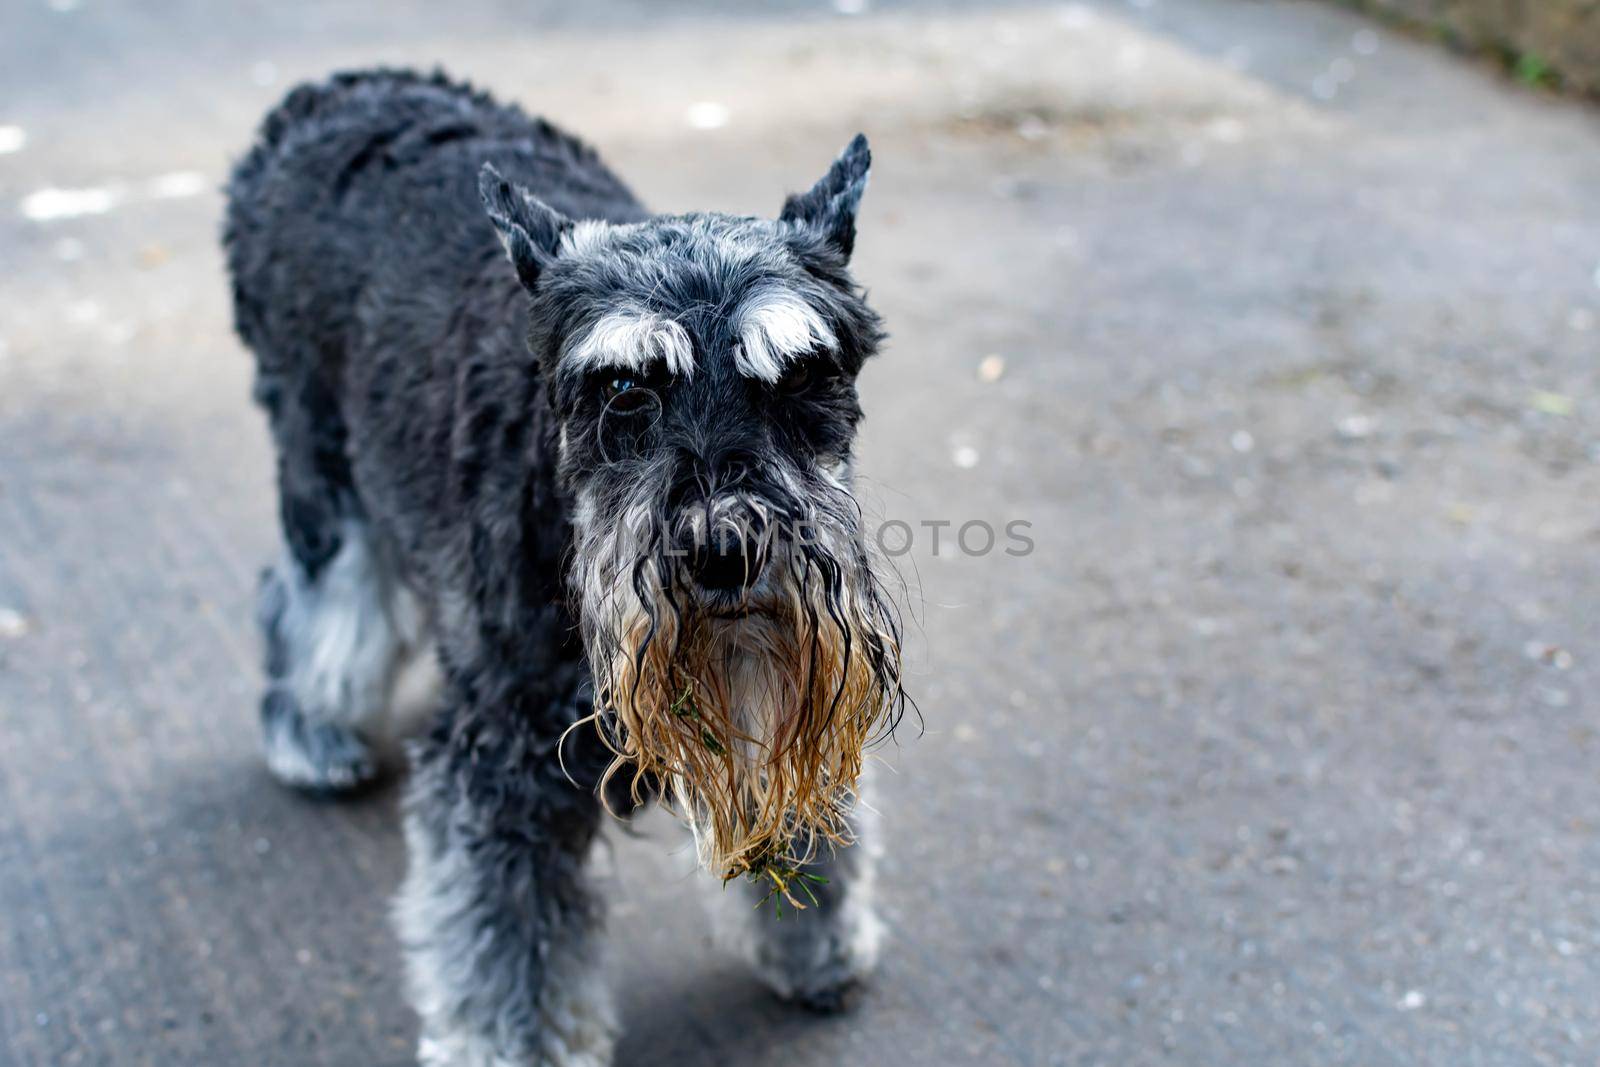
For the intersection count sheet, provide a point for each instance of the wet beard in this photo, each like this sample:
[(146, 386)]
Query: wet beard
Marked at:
[(755, 725)]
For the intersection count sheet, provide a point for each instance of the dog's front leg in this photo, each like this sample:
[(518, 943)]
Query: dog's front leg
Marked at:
[(817, 956), (496, 922)]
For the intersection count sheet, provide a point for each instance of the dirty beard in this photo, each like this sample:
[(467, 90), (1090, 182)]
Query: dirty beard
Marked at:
[(755, 725)]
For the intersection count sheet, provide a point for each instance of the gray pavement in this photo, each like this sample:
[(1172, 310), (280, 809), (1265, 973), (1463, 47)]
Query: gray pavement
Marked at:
[(1279, 748)]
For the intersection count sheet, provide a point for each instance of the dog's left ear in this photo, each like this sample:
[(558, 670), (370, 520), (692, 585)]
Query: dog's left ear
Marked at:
[(529, 228), (830, 206)]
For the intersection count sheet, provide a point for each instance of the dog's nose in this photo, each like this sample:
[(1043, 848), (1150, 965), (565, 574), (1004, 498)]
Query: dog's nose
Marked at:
[(727, 564)]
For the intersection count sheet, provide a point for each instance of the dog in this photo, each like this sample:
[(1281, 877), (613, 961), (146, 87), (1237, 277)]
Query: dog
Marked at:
[(596, 464)]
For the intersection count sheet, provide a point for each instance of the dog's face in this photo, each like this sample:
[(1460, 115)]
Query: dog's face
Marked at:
[(703, 373)]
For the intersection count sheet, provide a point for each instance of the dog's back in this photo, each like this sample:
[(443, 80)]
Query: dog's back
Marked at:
[(365, 273), (377, 170)]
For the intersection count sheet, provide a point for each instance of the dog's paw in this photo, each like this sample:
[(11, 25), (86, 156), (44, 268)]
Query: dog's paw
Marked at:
[(316, 757), (828, 1000), (462, 1050), (821, 965)]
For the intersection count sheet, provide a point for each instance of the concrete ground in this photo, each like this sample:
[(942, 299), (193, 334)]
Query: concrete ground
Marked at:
[(1280, 747)]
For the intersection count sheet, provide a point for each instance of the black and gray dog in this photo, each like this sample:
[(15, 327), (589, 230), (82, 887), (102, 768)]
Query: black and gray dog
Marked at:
[(599, 468)]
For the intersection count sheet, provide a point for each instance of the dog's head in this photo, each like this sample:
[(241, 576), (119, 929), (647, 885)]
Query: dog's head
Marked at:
[(703, 373)]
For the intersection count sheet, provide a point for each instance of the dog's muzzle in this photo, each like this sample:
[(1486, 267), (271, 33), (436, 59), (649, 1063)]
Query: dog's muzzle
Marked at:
[(743, 667), (728, 556), (728, 564)]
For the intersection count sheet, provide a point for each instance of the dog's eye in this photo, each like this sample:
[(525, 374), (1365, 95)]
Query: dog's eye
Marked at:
[(624, 393), (797, 378)]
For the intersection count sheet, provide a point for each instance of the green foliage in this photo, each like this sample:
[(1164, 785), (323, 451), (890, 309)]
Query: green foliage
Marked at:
[(1533, 71)]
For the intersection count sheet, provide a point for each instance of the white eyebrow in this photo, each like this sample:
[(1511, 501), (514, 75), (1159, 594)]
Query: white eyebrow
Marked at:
[(774, 325), (630, 340)]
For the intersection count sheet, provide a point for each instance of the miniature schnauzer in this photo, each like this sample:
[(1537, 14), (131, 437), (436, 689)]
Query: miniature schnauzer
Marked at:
[(596, 464)]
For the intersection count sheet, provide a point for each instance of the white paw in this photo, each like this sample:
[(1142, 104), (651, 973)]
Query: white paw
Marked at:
[(319, 758)]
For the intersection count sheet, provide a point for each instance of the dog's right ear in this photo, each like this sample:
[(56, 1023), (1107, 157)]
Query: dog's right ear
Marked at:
[(830, 206), (529, 228)]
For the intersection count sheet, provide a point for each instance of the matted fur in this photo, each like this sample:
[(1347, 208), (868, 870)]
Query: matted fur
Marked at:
[(756, 725)]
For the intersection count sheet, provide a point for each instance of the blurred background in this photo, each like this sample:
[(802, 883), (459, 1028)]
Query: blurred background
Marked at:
[(1277, 323)]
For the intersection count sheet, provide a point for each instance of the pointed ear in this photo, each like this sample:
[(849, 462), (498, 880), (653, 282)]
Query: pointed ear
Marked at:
[(529, 228), (830, 206)]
